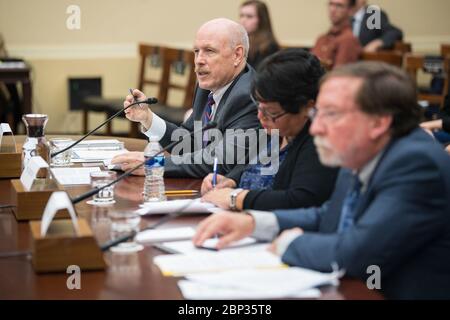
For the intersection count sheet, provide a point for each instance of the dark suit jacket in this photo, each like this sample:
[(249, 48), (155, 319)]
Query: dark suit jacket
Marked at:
[(402, 223), (388, 33), (301, 181), (235, 111)]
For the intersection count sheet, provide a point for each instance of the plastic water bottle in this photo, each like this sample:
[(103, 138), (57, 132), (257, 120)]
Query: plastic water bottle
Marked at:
[(154, 189)]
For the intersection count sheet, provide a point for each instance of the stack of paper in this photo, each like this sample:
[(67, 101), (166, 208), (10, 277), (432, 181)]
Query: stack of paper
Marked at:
[(106, 144), (246, 244), (180, 206), (161, 235), (95, 156), (256, 284), (183, 264), (98, 150)]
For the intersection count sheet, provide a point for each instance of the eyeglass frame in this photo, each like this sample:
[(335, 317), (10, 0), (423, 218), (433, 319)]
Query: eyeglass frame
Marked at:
[(266, 114), (313, 113)]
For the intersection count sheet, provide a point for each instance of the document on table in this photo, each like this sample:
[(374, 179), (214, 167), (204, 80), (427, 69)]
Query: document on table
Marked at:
[(257, 284), (198, 291), (173, 206), (161, 235), (246, 244), (105, 144), (96, 155), (183, 264), (277, 282), (73, 176)]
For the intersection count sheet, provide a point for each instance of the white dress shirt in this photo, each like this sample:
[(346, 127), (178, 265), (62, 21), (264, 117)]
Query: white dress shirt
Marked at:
[(357, 21), (158, 127)]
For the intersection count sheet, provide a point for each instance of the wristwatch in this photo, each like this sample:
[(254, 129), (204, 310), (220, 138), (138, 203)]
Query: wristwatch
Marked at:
[(233, 198)]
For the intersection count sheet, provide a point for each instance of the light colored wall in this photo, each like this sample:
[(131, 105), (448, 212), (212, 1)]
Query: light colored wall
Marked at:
[(110, 30)]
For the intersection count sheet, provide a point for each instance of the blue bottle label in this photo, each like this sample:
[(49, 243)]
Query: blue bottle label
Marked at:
[(157, 161)]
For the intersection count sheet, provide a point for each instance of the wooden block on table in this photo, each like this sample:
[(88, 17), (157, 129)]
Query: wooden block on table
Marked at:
[(30, 205), (61, 247), (10, 165)]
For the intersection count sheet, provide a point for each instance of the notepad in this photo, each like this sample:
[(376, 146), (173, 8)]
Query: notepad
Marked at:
[(73, 176), (172, 206), (183, 264), (246, 244), (161, 235)]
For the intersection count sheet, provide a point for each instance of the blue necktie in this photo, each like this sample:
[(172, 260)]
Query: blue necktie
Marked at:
[(348, 208), (207, 117)]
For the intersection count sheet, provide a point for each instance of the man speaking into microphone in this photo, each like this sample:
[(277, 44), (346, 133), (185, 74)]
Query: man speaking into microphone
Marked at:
[(223, 96)]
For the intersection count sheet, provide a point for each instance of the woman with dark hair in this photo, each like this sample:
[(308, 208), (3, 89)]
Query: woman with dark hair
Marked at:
[(285, 89), (254, 16)]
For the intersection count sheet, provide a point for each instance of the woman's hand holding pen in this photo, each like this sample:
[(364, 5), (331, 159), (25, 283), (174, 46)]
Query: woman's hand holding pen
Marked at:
[(138, 114), (222, 182)]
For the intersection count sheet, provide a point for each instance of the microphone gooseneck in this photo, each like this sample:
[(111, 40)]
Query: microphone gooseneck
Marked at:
[(94, 191), (148, 101), (114, 242)]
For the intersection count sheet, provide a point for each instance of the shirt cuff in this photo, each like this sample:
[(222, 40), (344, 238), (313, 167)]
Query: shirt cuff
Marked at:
[(157, 129), (284, 242), (266, 225)]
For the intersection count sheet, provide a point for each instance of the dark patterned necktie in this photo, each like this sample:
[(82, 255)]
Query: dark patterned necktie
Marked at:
[(207, 117), (207, 114), (349, 206)]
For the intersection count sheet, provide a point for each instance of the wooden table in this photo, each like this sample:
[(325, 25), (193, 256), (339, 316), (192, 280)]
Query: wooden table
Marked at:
[(132, 276)]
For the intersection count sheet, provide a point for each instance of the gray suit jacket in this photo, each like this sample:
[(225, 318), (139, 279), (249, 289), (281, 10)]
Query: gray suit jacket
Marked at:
[(402, 224), (235, 111)]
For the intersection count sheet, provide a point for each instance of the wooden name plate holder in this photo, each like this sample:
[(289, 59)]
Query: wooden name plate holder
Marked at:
[(10, 159), (62, 247), (29, 205), (10, 165)]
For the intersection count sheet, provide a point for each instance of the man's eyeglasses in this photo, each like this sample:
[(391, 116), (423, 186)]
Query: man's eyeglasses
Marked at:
[(266, 114), (328, 115)]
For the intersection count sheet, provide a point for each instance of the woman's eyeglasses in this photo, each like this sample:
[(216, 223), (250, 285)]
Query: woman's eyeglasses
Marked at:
[(266, 114)]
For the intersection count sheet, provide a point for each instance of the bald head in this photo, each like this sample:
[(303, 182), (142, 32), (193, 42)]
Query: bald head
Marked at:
[(229, 30), (221, 47)]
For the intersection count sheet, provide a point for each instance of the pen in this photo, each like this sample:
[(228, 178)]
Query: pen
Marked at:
[(181, 191), (214, 179), (134, 98)]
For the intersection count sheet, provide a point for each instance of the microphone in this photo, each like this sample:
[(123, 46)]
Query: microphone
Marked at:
[(94, 191), (148, 101)]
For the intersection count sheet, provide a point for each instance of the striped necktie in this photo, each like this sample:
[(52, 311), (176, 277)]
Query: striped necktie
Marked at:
[(207, 117), (208, 112)]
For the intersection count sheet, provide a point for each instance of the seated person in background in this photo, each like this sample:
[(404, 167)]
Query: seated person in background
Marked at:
[(285, 87), (440, 128), (254, 16), (339, 46), (223, 95), (10, 101), (391, 204), (374, 39)]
